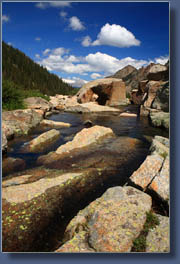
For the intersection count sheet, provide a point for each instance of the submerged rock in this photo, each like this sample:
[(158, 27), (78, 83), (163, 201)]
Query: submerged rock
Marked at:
[(110, 223), (42, 142)]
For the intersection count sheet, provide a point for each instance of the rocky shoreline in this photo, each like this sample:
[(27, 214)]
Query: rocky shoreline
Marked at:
[(34, 200), (93, 193)]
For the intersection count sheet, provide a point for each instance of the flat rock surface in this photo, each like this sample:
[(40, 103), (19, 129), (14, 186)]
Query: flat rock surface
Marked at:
[(111, 222), (85, 137), (55, 124)]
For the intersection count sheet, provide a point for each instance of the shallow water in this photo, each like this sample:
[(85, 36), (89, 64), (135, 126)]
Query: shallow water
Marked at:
[(122, 127), (115, 158)]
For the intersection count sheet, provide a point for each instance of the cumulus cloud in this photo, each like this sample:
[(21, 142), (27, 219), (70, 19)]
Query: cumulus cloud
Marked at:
[(161, 59), (37, 39), (86, 42), (75, 82), (5, 18), (97, 64), (76, 24), (37, 56), (63, 14), (95, 75), (60, 4), (60, 51), (46, 51), (113, 35)]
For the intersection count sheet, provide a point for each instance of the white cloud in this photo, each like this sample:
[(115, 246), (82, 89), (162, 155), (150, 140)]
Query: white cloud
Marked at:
[(37, 56), (161, 59), (95, 75), (60, 51), (46, 51), (38, 39), (75, 82), (76, 24), (59, 4), (63, 14), (97, 65), (113, 35), (86, 41), (5, 18)]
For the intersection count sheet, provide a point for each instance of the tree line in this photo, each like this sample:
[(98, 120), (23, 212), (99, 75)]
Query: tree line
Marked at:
[(22, 77)]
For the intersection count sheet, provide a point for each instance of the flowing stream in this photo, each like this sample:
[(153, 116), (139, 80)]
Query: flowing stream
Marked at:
[(118, 157)]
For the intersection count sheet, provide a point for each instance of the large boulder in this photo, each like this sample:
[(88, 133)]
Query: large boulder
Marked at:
[(108, 224), (110, 92), (19, 122), (86, 137), (152, 88), (37, 103)]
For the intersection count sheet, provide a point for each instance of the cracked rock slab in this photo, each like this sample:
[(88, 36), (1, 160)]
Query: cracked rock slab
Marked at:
[(147, 171), (111, 222)]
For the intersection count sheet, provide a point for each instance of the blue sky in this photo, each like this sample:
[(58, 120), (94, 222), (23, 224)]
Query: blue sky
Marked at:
[(82, 41)]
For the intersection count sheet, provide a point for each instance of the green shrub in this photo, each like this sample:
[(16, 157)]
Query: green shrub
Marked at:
[(12, 97)]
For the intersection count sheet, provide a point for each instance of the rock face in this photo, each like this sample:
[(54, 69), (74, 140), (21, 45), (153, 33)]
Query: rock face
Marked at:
[(152, 87), (110, 92), (19, 122), (85, 137), (42, 142), (158, 239), (37, 103), (154, 172), (108, 224)]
